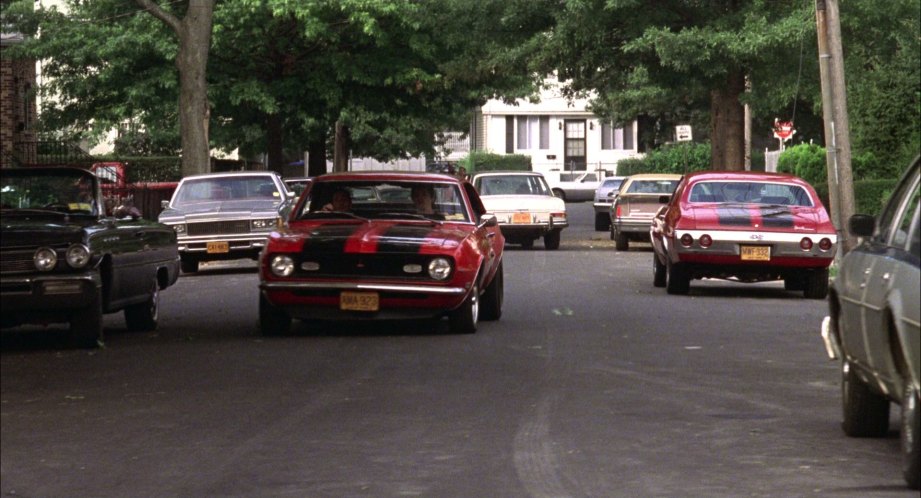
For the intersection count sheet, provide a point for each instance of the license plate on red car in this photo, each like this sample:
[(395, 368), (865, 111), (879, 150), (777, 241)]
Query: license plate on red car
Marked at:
[(359, 301), (756, 253)]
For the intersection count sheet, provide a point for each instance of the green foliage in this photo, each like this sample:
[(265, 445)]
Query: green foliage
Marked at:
[(485, 161), (869, 195), (678, 158), (806, 161)]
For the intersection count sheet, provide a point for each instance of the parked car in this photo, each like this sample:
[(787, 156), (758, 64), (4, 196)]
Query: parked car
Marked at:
[(225, 216), (524, 206), (873, 323), (576, 186), (63, 260), (298, 184), (638, 200), (604, 198), (743, 226), (430, 253)]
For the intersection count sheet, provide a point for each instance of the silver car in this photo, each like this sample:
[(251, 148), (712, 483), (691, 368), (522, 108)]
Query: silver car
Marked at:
[(873, 324), (224, 216), (604, 197)]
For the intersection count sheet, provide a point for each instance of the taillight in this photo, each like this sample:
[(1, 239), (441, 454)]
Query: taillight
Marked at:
[(825, 244), (617, 211), (705, 241), (687, 240), (805, 244)]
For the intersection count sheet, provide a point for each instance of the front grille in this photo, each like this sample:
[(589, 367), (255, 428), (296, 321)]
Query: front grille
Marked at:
[(364, 265), (218, 227), (17, 261)]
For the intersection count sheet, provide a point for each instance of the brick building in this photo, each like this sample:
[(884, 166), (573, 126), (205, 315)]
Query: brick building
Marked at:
[(17, 101)]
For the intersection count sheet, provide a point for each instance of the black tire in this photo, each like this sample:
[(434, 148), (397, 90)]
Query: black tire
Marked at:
[(463, 320), (911, 437), (866, 413), (795, 282), (659, 272), (816, 284), (552, 240), (602, 222), (620, 240), (86, 325), (493, 297), (188, 265), (272, 320), (678, 282), (527, 244), (145, 316)]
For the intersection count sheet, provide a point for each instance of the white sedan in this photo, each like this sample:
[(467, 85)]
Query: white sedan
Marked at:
[(524, 205)]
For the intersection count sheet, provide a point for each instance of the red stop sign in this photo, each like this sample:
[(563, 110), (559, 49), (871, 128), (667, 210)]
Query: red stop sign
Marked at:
[(783, 129)]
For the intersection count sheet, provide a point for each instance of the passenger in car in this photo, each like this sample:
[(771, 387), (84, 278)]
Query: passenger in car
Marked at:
[(341, 201), (423, 197)]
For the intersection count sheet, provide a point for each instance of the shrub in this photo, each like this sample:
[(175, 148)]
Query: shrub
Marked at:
[(673, 158), (485, 161), (806, 161), (869, 195)]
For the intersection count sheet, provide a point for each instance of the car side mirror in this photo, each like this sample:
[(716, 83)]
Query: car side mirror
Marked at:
[(164, 204), (862, 225), (663, 199), (489, 220)]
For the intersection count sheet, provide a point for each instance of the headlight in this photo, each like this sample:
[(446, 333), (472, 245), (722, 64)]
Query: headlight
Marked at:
[(78, 256), (264, 224), (440, 269), (45, 259), (180, 229), (282, 266)]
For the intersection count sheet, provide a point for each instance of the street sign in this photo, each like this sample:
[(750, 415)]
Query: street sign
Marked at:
[(783, 130), (683, 133)]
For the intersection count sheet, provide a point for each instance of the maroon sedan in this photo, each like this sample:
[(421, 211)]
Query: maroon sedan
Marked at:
[(379, 245), (743, 226)]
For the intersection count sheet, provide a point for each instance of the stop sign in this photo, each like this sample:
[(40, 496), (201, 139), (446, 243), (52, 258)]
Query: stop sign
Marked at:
[(783, 129)]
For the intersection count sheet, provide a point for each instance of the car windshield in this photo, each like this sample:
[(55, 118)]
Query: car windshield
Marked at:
[(368, 199), (66, 191), (512, 185), (612, 184), (784, 194), (227, 188), (652, 186)]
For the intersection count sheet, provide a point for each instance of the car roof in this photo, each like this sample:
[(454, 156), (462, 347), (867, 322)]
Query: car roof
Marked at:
[(757, 176), (508, 172), (655, 176), (232, 173), (386, 176)]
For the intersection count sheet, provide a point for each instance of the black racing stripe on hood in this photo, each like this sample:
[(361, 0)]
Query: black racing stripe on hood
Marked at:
[(329, 238), (734, 216), (403, 238), (775, 217)]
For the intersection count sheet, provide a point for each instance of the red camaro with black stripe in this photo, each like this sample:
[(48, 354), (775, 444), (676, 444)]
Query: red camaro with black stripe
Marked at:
[(376, 245), (743, 226)]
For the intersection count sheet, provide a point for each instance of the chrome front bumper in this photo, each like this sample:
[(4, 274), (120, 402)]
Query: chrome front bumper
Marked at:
[(356, 286)]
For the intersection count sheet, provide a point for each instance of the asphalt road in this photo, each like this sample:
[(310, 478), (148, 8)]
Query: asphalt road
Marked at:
[(593, 384)]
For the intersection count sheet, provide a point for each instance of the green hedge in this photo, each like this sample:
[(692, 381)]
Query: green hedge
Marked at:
[(673, 158), (869, 195), (485, 161)]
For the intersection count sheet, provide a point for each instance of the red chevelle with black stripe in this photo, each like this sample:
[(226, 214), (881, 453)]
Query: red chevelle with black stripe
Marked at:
[(743, 226), (378, 245)]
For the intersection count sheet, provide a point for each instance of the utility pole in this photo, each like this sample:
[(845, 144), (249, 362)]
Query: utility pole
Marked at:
[(834, 111)]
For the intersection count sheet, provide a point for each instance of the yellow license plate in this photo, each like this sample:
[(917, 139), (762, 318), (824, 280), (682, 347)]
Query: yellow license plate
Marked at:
[(218, 247), (359, 301), (521, 217), (756, 253)]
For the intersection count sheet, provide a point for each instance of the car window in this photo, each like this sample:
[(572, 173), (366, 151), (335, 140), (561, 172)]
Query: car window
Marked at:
[(652, 186), (914, 237), (902, 221), (68, 191), (783, 194), (512, 185), (374, 199), (892, 213), (227, 189)]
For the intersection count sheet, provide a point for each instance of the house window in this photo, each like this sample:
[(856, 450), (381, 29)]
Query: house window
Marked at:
[(509, 134), (533, 132), (616, 138)]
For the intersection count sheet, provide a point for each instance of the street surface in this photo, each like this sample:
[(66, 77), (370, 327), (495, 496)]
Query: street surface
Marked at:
[(593, 384)]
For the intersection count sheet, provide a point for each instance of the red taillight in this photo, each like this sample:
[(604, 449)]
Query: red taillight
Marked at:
[(705, 240), (617, 211), (805, 244), (825, 244), (687, 240)]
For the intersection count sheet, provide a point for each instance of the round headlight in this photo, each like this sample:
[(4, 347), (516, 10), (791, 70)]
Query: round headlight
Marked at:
[(78, 256), (282, 266), (440, 269), (180, 228), (45, 259)]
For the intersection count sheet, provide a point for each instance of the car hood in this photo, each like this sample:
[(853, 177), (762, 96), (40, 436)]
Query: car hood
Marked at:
[(376, 237), (43, 230), (500, 203), (739, 216), (222, 209)]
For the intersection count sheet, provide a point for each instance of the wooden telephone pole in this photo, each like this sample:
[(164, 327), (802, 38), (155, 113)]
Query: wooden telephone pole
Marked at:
[(834, 111)]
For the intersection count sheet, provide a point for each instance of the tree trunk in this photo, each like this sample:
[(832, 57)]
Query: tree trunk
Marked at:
[(341, 148), (727, 125), (275, 144), (316, 161)]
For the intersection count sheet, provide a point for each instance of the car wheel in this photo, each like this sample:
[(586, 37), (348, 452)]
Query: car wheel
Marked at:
[(552, 240), (678, 280), (492, 298), (866, 413), (620, 241), (601, 222), (527, 244), (272, 320), (910, 441), (559, 193), (144, 317), (86, 325), (816, 284), (659, 274), (463, 320), (188, 265)]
